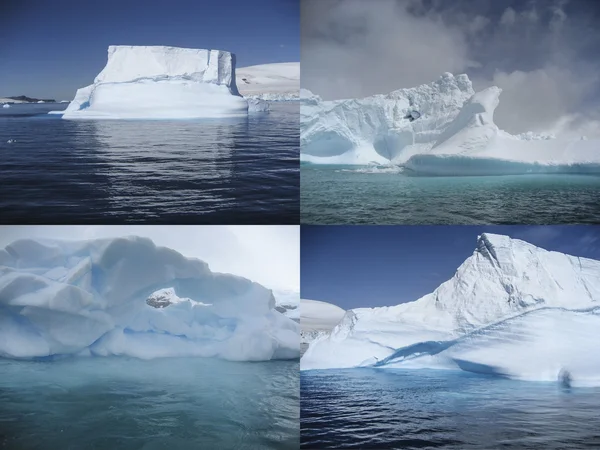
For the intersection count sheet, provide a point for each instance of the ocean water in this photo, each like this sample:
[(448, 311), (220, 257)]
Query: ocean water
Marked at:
[(360, 195), (126, 403), (163, 171), (387, 409)]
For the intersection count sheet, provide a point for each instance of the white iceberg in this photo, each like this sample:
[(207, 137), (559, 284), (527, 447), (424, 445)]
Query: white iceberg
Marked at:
[(511, 309), (270, 82), (6, 105), (95, 298), (318, 318), (442, 128), (156, 82)]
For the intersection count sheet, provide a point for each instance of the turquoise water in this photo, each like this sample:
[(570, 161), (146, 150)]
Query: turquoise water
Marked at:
[(384, 409), (169, 403), (355, 195)]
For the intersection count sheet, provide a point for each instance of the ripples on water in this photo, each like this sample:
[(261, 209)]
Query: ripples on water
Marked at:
[(349, 195), (371, 409), (195, 171), (172, 403)]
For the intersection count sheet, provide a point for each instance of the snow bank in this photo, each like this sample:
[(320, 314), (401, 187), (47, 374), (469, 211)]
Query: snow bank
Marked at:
[(270, 82), (318, 318), (95, 297), (455, 134), (156, 82), (511, 309)]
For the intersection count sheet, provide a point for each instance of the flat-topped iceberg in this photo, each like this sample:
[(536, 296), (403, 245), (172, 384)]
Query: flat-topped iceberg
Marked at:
[(157, 82), (442, 128), (511, 309), (127, 296)]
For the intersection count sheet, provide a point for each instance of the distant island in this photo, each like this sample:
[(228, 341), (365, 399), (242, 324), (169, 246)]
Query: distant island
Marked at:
[(25, 99)]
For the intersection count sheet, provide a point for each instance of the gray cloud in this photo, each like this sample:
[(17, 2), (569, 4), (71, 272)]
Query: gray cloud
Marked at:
[(542, 54)]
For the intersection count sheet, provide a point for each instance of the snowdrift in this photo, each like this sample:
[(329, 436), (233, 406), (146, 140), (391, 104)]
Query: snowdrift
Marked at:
[(157, 82), (453, 134), (511, 309), (129, 297), (270, 82)]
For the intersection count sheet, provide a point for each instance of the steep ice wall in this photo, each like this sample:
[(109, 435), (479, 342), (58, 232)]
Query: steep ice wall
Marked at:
[(455, 134), (504, 280), (90, 297), (161, 82)]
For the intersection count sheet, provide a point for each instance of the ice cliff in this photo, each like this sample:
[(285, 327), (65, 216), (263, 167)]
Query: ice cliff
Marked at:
[(453, 134), (511, 309), (129, 297), (140, 82)]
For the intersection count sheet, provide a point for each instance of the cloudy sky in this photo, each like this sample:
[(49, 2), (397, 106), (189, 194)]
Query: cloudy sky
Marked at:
[(269, 255), (543, 54)]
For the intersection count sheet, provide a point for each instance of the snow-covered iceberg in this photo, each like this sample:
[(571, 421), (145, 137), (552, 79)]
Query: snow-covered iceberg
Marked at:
[(511, 309), (270, 82), (442, 128), (127, 296), (155, 82)]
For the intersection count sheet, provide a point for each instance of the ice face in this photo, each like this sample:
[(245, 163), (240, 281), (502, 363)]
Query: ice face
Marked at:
[(161, 82), (90, 297), (454, 134), (507, 293)]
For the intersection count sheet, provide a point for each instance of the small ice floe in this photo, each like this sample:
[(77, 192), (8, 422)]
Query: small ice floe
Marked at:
[(6, 105), (11, 141)]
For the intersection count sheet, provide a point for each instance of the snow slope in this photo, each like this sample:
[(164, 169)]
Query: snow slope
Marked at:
[(95, 297), (454, 135), (273, 82), (506, 294), (140, 82)]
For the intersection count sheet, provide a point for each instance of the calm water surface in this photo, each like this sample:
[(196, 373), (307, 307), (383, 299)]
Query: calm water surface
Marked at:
[(127, 403), (386, 409), (351, 195), (168, 171)]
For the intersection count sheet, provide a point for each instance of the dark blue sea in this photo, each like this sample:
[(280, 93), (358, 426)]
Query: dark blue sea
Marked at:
[(428, 409), (171, 403), (242, 171), (378, 196)]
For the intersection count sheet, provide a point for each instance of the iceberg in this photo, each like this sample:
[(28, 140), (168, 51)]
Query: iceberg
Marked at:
[(441, 128), (512, 310), (126, 296), (6, 105), (270, 82), (156, 82)]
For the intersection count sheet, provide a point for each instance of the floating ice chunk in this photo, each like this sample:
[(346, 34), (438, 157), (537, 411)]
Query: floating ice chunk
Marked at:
[(455, 134), (90, 297), (6, 105), (255, 105), (511, 309), (161, 82)]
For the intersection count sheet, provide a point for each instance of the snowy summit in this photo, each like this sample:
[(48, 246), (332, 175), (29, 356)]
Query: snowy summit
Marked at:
[(140, 82), (441, 128)]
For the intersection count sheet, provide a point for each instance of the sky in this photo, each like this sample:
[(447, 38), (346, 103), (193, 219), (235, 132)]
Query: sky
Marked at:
[(543, 54), (49, 49), (269, 255), (367, 266)]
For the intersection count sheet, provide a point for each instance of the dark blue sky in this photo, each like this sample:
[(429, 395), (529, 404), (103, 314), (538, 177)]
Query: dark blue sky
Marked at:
[(50, 48), (366, 266)]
